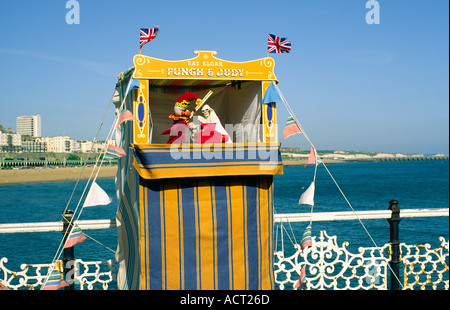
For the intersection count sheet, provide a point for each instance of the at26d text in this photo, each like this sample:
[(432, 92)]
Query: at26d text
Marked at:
[(228, 300)]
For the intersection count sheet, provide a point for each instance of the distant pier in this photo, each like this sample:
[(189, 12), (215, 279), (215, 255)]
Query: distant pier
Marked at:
[(301, 161), (407, 158)]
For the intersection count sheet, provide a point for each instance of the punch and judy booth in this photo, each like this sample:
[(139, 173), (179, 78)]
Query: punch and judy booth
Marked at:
[(196, 213)]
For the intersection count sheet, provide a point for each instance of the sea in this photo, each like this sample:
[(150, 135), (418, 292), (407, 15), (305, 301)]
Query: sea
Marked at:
[(366, 185)]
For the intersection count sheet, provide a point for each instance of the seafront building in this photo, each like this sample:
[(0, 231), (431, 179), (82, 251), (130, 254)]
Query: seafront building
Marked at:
[(58, 144), (17, 143), (10, 142), (28, 139), (29, 125)]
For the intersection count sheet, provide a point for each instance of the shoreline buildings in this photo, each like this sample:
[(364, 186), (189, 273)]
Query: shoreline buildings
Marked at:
[(16, 143), (28, 139), (29, 125)]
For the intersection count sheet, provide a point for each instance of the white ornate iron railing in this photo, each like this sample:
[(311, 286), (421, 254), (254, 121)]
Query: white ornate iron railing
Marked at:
[(330, 266), (425, 268), (87, 275), (327, 265)]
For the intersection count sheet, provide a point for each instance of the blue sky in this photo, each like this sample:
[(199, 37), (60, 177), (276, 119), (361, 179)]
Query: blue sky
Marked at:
[(352, 85)]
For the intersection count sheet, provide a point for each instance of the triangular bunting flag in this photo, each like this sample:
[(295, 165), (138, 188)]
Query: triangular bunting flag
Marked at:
[(301, 279), (291, 128), (306, 238), (55, 280), (312, 156), (114, 150), (96, 196), (271, 95), (75, 236), (307, 198), (126, 115)]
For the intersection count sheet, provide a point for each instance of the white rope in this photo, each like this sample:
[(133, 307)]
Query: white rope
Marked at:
[(106, 247), (70, 224), (92, 147), (286, 104)]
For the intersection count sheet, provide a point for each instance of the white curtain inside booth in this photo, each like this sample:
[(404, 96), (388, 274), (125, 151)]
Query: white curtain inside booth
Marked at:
[(238, 106)]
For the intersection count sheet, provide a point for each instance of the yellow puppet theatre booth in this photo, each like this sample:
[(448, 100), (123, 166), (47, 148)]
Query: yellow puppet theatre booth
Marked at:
[(196, 213)]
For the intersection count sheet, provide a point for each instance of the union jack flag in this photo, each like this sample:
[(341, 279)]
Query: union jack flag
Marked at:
[(147, 34), (278, 44)]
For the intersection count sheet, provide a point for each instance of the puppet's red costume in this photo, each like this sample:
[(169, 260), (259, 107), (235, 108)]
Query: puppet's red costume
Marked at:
[(177, 133)]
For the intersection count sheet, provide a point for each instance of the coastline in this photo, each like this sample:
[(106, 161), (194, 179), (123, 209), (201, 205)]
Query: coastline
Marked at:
[(298, 162), (16, 176)]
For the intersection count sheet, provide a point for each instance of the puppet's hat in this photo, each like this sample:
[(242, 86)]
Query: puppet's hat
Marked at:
[(186, 98)]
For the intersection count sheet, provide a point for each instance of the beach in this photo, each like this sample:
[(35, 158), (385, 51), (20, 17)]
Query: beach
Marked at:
[(15, 176), (40, 174)]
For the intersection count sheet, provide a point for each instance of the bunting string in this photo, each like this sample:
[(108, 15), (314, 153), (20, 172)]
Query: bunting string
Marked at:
[(98, 242), (97, 166), (286, 104)]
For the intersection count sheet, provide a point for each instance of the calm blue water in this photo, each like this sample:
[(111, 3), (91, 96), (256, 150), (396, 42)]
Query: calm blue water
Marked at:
[(44, 202), (368, 186)]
